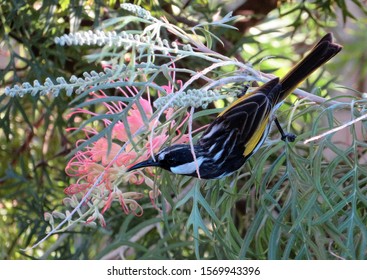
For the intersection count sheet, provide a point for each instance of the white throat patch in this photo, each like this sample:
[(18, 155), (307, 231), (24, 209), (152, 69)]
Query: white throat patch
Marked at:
[(187, 168)]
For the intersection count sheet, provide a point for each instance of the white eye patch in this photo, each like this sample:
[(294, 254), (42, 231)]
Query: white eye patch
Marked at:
[(161, 156)]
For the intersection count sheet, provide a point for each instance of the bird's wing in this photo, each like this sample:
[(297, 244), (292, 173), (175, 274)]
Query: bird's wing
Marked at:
[(243, 122)]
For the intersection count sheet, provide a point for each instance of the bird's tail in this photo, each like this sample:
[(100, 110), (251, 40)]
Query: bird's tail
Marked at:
[(324, 50)]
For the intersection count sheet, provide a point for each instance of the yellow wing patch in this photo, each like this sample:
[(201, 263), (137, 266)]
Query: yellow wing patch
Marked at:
[(254, 140), (234, 103)]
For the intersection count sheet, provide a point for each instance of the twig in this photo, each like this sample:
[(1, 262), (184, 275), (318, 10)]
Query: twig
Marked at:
[(335, 129), (191, 142)]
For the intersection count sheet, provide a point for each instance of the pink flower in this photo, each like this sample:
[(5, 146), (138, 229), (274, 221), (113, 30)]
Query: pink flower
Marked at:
[(158, 142), (106, 159)]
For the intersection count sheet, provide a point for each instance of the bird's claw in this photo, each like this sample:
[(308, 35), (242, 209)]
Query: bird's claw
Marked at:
[(289, 137)]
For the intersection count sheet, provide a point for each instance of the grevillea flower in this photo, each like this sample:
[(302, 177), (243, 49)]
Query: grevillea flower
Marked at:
[(100, 167)]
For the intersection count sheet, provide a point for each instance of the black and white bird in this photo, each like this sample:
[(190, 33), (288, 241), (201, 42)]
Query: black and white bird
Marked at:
[(239, 131)]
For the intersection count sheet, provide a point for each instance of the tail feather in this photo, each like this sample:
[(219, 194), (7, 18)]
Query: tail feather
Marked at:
[(324, 50)]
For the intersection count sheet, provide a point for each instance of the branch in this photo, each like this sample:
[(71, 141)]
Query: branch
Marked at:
[(335, 129)]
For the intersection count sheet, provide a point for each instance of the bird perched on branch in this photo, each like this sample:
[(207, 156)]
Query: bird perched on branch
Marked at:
[(238, 132)]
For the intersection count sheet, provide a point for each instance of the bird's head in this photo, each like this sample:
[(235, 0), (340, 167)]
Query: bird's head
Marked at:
[(177, 158)]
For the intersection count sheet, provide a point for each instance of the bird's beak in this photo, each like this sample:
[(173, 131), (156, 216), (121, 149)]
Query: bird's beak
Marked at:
[(146, 163)]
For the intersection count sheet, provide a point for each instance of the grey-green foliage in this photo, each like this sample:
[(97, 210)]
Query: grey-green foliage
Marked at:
[(290, 201)]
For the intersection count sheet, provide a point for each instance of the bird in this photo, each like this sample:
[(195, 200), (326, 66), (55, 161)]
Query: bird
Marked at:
[(240, 129)]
